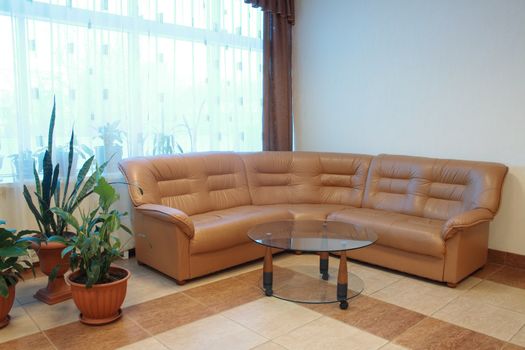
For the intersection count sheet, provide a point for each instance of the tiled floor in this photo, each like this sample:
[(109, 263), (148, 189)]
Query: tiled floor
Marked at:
[(228, 311)]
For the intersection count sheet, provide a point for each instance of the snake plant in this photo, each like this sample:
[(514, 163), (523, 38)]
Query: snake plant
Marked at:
[(55, 191)]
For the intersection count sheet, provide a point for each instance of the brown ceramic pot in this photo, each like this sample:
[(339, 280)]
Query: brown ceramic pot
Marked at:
[(101, 303), (49, 256), (5, 306)]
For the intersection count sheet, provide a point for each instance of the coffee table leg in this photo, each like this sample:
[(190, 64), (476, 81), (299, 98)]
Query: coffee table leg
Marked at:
[(342, 282), (268, 272), (323, 265)]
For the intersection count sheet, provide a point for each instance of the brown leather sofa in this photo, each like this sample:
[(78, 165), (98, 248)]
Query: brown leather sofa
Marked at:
[(431, 215)]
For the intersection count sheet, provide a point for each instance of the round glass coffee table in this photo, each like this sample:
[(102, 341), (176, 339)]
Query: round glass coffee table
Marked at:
[(304, 284)]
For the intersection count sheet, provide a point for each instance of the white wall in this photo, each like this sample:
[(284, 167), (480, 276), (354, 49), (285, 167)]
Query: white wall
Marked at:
[(440, 78)]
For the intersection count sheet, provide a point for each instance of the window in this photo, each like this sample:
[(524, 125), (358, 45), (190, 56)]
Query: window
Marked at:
[(132, 77)]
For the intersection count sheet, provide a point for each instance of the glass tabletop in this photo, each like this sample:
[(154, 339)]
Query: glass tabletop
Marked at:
[(312, 235)]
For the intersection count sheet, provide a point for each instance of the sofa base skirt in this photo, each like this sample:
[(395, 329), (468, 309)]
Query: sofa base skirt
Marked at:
[(206, 263), (395, 259)]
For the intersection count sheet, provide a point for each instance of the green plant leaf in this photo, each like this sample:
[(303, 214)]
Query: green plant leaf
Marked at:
[(54, 180), (54, 272), (57, 239), (4, 289), (37, 179), (57, 194), (67, 250), (12, 251), (46, 180), (107, 194), (34, 210), (67, 217), (69, 164), (51, 129)]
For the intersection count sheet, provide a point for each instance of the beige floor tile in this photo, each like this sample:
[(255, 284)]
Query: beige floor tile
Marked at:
[(499, 295), (392, 346), (374, 279), (145, 287), (326, 333), (482, 318), (148, 343), (215, 332), (269, 346), (519, 337), (20, 325), (49, 316), (271, 317), (135, 269), (422, 296), (26, 289)]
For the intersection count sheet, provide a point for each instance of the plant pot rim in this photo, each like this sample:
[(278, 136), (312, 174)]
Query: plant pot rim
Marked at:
[(44, 244), (47, 245), (100, 285)]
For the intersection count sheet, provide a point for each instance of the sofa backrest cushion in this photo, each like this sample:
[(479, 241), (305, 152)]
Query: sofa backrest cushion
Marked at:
[(432, 188), (306, 177), (194, 183)]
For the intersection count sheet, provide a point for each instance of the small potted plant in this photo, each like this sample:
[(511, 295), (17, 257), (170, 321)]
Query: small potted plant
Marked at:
[(164, 143), (111, 151), (53, 190), (23, 164), (98, 288), (12, 246)]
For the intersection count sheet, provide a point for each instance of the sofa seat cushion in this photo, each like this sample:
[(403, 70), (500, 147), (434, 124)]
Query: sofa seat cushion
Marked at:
[(409, 233), (222, 229), (308, 211)]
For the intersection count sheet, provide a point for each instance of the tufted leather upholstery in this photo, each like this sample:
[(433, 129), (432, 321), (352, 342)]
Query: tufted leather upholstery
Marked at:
[(306, 178), (432, 188), (430, 214)]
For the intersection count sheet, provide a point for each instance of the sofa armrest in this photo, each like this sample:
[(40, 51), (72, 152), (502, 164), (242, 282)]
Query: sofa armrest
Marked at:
[(463, 220), (170, 215)]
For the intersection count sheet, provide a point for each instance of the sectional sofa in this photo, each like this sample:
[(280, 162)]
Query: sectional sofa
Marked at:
[(431, 215)]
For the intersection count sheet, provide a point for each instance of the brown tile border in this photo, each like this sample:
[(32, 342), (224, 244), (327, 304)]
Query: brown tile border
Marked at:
[(33, 341), (79, 336), (435, 334), (506, 258), (372, 315), (168, 312)]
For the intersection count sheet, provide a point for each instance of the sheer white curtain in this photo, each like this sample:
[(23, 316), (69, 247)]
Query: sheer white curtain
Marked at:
[(133, 77)]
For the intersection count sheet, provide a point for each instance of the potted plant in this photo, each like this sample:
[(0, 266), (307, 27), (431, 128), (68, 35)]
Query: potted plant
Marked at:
[(54, 191), (23, 164), (12, 246), (163, 144), (112, 138), (98, 287)]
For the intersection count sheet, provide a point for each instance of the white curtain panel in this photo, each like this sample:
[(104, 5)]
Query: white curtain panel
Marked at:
[(132, 77)]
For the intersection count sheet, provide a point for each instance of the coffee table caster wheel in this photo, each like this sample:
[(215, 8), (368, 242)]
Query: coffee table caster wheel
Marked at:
[(343, 305), (268, 293), (325, 276)]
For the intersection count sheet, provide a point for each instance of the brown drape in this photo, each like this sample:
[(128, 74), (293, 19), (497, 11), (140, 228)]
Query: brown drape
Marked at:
[(277, 73)]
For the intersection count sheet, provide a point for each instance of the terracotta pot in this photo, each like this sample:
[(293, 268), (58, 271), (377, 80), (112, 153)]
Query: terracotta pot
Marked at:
[(49, 255), (101, 303), (5, 306)]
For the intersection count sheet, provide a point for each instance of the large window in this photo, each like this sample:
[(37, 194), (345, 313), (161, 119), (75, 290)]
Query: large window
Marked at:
[(133, 77)]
